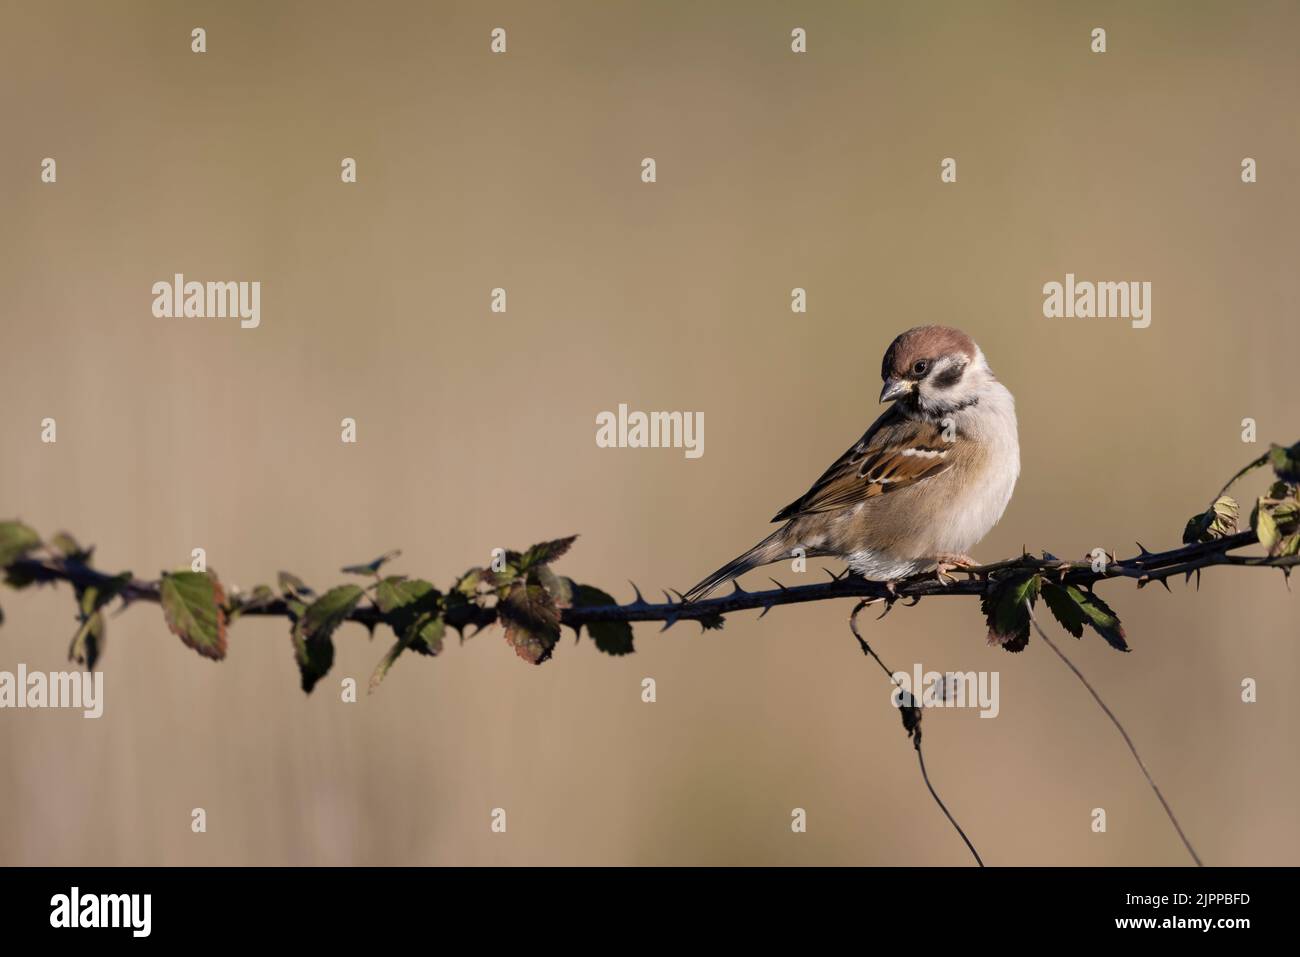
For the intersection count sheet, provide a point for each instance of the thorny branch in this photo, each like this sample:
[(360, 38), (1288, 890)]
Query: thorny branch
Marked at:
[(1144, 568)]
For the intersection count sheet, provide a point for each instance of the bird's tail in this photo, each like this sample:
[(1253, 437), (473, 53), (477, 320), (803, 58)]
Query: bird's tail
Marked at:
[(770, 549)]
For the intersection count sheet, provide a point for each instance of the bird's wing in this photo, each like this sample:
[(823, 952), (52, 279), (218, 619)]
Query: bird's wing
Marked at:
[(897, 451)]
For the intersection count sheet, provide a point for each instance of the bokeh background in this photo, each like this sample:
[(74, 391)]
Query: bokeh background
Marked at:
[(477, 430)]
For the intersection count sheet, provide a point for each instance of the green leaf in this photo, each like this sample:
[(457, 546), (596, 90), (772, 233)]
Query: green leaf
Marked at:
[(543, 553), (330, 610), (314, 658), (192, 605), (16, 540), (1288, 546), (88, 643), (1216, 522), (611, 637), (1064, 607), (425, 633), (1285, 462), (313, 632), (560, 588), (70, 548), (413, 609), (532, 621), (1006, 612), (291, 584), (372, 567), (1265, 526), (92, 634), (1099, 617)]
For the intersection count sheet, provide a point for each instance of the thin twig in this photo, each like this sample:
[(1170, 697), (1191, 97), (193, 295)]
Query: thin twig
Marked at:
[(912, 723), (1127, 740)]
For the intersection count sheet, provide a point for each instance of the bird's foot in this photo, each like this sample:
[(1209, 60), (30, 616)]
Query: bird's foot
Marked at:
[(948, 563)]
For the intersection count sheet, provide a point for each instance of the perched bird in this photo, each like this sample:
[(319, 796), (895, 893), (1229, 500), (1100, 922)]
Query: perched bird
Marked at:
[(926, 481)]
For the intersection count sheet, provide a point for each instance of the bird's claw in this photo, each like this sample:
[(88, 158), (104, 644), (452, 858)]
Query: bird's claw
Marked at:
[(948, 563)]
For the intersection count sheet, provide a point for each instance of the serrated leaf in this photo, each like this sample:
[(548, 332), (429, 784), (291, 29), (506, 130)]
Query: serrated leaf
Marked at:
[(397, 590), (1100, 617), (531, 620), (469, 584), (330, 610), (16, 540), (1006, 613), (191, 603), (1065, 609), (372, 567), (543, 553), (611, 637)]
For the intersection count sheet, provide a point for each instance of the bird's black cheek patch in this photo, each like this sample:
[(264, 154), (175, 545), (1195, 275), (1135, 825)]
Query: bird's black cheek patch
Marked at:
[(948, 378)]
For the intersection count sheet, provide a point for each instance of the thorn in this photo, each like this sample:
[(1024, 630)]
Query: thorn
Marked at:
[(1165, 581), (1198, 579), (767, 608), (736, 589), (778, 584), (831, 573), (667, 596), (639, 599), (680, 597), (669, 621)]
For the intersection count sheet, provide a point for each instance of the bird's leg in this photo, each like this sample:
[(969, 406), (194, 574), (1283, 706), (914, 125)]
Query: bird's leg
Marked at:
[(947, 563)]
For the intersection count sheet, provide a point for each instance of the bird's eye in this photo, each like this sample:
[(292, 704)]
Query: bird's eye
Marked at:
[(920, 367)]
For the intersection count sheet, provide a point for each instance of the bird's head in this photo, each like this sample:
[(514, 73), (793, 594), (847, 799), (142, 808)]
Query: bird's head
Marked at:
[(935, 369)]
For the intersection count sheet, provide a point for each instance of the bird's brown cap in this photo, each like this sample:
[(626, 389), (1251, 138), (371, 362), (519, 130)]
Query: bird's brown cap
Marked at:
[(924, 342)]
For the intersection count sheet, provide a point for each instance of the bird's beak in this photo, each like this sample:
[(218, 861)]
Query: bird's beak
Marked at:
[(894, 388)]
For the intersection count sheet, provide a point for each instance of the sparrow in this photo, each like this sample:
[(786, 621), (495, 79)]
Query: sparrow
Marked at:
[(924, 484)]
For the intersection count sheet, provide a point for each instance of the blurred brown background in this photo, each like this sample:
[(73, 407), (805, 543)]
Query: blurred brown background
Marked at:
[(477, 430)]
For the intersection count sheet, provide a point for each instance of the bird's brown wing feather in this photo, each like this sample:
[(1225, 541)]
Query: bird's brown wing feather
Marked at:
[(894, 453)]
